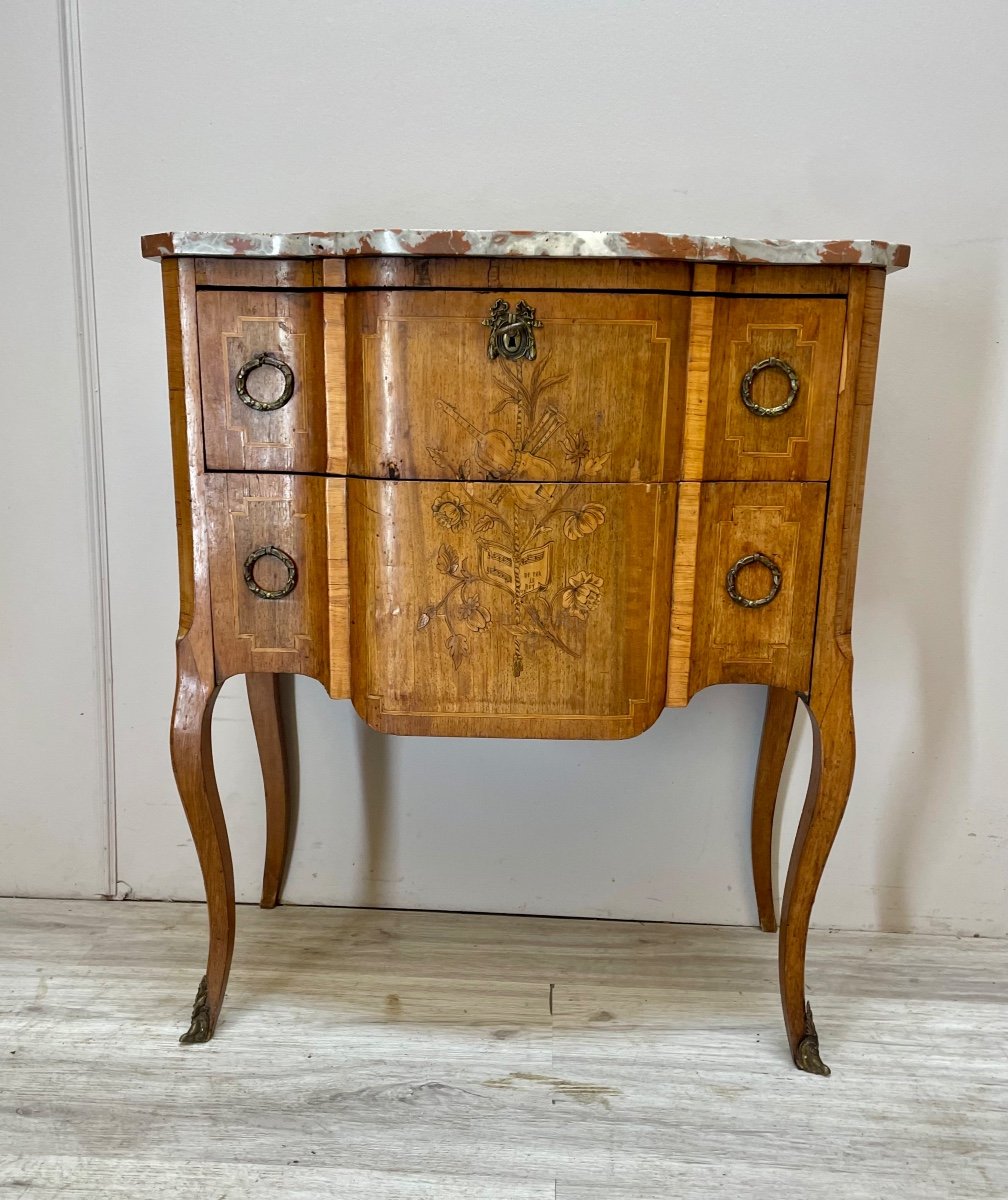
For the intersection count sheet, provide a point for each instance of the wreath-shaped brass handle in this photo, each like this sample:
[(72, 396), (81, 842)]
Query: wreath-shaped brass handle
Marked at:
[(288, 562), (265, 359), (747, 383), (731, 580)]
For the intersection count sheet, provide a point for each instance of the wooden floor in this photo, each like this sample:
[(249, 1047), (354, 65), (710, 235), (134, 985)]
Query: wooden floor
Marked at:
[(417, 1056)]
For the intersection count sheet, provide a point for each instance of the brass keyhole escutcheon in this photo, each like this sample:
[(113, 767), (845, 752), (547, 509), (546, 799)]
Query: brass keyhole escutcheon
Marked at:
[(511, 334), (257, 362), (731, 580)]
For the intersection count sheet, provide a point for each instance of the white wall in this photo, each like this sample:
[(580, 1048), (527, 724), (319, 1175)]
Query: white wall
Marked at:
[(53, 789), (757, 118)]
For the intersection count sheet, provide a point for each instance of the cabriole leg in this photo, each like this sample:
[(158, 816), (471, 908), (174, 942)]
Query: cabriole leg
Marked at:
[(829, 787), (192, 761), (267, 720), (777, 725)]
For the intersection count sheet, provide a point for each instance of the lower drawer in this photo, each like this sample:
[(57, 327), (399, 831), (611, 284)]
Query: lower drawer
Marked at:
[(509, 610), (278, 582), (514, 610), (746, 569)]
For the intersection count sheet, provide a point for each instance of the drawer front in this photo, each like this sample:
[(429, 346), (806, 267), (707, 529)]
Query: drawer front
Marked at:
[(774, 374), (505, 385), (265, 358), (278, 575), (509, 611), (746, 585)]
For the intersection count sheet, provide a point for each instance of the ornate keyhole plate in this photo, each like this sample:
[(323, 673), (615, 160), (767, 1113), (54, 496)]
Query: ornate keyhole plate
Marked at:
[(511, 334)]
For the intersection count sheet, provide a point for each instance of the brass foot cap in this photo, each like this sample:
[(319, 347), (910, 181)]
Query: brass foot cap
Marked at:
[(806, 1055), (200, 1029)]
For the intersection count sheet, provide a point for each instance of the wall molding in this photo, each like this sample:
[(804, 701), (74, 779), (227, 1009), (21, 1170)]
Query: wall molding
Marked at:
[(75, 142)]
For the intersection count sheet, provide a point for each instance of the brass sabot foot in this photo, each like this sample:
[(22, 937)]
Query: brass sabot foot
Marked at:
[(199, 1030), (807, 1054)]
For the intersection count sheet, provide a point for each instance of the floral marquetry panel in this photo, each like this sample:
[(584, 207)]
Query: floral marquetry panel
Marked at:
[(504, 386), (520, 610)]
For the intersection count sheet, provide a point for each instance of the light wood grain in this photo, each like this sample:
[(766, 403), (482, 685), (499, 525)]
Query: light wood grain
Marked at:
[(334, 272), (267, 721), (698, 370), (747, 280), (828, 790), (829, 701), (186, 420), (851, 454), (334, 351), (258, 273), (504, 273), (246, 513), (833, 654), (338, 572), (414, 1056), (771, 644), (196, 683), (807, 334), (82, 1177), (687, 536), (488, 617), (235, 326), (601, 400), (778, 721)]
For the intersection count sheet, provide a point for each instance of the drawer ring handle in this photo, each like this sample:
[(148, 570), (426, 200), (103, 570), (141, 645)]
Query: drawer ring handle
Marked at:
[(265, 359), (285, 559), (746, 389), (731, 580)]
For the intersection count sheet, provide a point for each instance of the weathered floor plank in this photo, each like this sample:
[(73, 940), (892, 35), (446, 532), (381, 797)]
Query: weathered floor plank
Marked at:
[(410, 1056)]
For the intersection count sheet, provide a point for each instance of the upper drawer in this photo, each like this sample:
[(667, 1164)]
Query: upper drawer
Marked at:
[(272, 372), (764, 378), (547, 386)]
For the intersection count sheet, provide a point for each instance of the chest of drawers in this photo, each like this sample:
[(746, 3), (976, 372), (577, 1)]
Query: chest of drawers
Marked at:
[(519, 485)]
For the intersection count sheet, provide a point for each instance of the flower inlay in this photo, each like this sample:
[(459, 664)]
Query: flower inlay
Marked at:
[(508, 533)]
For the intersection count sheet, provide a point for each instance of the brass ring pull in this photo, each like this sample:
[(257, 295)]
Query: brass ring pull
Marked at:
[(731, 580), (511, 334), (288, 562), (746, 389), (265, 359)]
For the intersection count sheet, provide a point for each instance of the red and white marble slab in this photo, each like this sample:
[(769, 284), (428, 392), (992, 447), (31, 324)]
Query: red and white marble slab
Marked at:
[(520, 243)]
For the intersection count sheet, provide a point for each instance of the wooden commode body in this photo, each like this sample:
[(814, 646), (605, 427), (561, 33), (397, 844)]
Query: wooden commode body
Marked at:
[(519, 485)]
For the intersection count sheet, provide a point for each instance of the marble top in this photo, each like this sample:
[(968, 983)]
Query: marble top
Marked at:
[(521, 243)]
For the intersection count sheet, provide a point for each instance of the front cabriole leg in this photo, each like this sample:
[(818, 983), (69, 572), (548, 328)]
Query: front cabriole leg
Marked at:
[(829, 787), (192, 761)]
